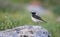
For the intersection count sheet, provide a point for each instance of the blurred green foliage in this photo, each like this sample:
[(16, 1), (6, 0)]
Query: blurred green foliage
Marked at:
[(10, 7), (54, 5)]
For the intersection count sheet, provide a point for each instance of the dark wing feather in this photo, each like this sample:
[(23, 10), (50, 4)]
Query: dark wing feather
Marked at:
[(39, 18)]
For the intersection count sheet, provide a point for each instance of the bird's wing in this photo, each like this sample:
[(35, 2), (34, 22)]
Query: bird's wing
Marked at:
[(39, 18)]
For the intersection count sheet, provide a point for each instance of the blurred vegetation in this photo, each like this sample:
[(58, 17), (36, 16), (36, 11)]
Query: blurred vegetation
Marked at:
[(12, 15), (14, 5)]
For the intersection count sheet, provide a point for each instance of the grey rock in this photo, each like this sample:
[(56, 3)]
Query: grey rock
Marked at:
[(26, 31)]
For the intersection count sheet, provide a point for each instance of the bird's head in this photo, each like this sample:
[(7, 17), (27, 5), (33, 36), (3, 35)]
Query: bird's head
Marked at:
[(33, 12)]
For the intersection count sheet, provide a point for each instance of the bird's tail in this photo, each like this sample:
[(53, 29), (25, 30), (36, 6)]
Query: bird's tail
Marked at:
[(44, 21)]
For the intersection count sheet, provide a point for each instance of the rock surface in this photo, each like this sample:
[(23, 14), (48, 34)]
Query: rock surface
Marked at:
[(26, 31)]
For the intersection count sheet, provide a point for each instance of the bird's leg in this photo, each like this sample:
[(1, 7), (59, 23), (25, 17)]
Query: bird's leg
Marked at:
[(37, 23)]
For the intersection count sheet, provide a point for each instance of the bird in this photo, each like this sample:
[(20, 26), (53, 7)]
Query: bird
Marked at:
[(37, 18)]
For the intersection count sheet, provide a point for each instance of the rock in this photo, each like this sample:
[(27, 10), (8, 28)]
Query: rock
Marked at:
[(26, 31)]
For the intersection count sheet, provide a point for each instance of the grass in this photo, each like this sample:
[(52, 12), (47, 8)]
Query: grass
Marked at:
[(11, 20)]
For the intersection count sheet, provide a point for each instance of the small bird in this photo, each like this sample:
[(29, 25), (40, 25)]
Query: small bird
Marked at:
[(36, 18)]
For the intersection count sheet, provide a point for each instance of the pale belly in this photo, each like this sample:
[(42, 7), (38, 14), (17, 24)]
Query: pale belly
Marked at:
[(36, 20)]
